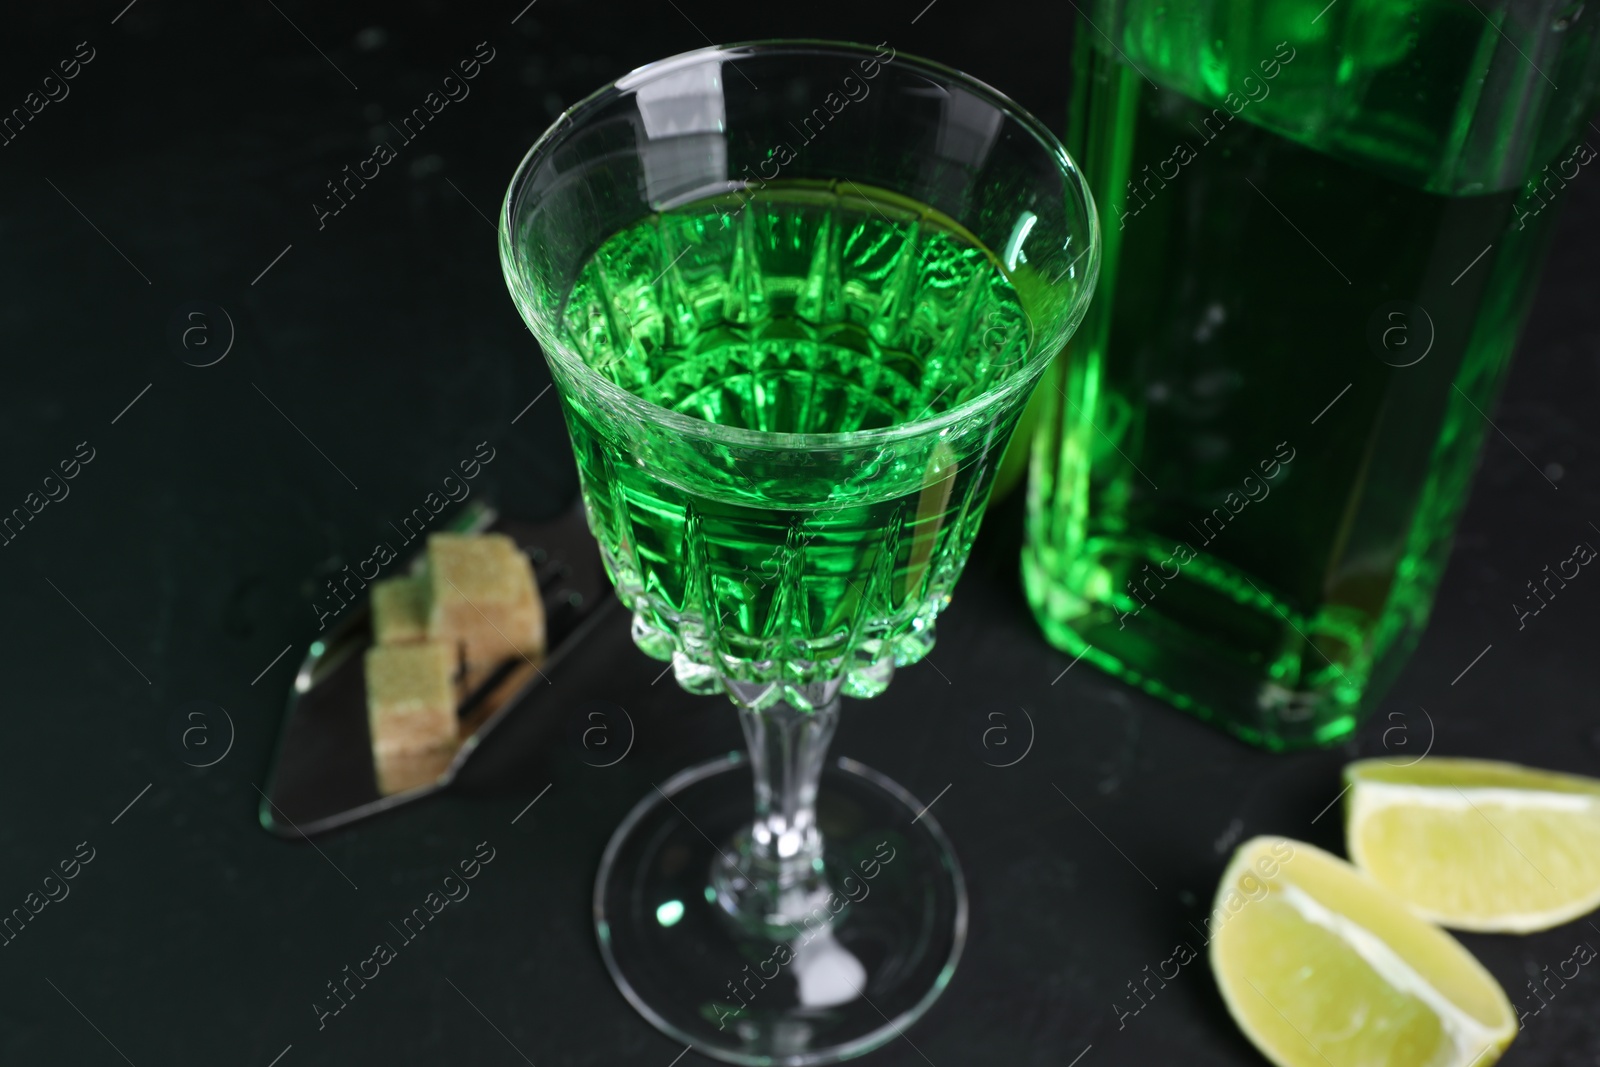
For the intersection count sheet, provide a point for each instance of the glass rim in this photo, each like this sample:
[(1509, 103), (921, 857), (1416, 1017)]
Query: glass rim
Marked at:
[(657, 414)]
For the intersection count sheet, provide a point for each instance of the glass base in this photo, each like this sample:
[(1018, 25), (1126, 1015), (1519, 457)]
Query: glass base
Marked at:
[(872, 956)]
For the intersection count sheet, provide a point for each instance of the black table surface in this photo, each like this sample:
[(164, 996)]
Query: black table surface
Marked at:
[(374, 351)]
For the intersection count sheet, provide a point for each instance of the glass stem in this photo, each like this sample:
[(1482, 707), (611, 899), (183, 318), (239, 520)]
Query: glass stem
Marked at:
[(787, 750), (771, 879)]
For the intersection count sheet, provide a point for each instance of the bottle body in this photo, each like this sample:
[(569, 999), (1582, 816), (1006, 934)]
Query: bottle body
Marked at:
[(1321, 240)]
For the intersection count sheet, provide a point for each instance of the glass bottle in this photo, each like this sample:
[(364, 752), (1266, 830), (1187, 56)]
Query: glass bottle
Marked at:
[(1323, 223)]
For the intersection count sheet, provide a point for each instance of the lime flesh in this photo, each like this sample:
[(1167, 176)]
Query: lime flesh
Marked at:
[(1322, 967), (1475, 844)]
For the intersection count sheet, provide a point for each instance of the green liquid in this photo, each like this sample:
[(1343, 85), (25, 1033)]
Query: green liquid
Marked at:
[(1243, 498), (807, 309)]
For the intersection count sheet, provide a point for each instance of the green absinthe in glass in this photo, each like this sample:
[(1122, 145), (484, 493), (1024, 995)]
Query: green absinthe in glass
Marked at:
[(1321, 236), (813, 539)]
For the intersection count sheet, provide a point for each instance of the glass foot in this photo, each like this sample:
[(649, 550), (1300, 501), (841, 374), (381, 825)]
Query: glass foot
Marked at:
[(867, 959)]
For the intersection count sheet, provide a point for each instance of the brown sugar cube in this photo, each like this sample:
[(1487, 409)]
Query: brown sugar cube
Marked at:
[(399, 771), (400, 610), (411, 703), (473, 677), (483, 597)]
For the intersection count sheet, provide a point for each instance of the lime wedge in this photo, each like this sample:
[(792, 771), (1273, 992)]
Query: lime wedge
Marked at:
[(1475, 844), (1322, 967)]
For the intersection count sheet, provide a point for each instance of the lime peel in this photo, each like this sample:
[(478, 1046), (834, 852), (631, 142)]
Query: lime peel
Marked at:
[(1384, 794)]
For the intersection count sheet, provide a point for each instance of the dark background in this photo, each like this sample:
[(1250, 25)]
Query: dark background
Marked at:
[(187, 554)]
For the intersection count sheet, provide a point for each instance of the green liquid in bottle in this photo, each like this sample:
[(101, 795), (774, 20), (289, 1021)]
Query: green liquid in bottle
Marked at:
[(1316, 265), (806, 310)]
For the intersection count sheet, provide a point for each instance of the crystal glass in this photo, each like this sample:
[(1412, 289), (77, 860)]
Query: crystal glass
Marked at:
[(794, 297)]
